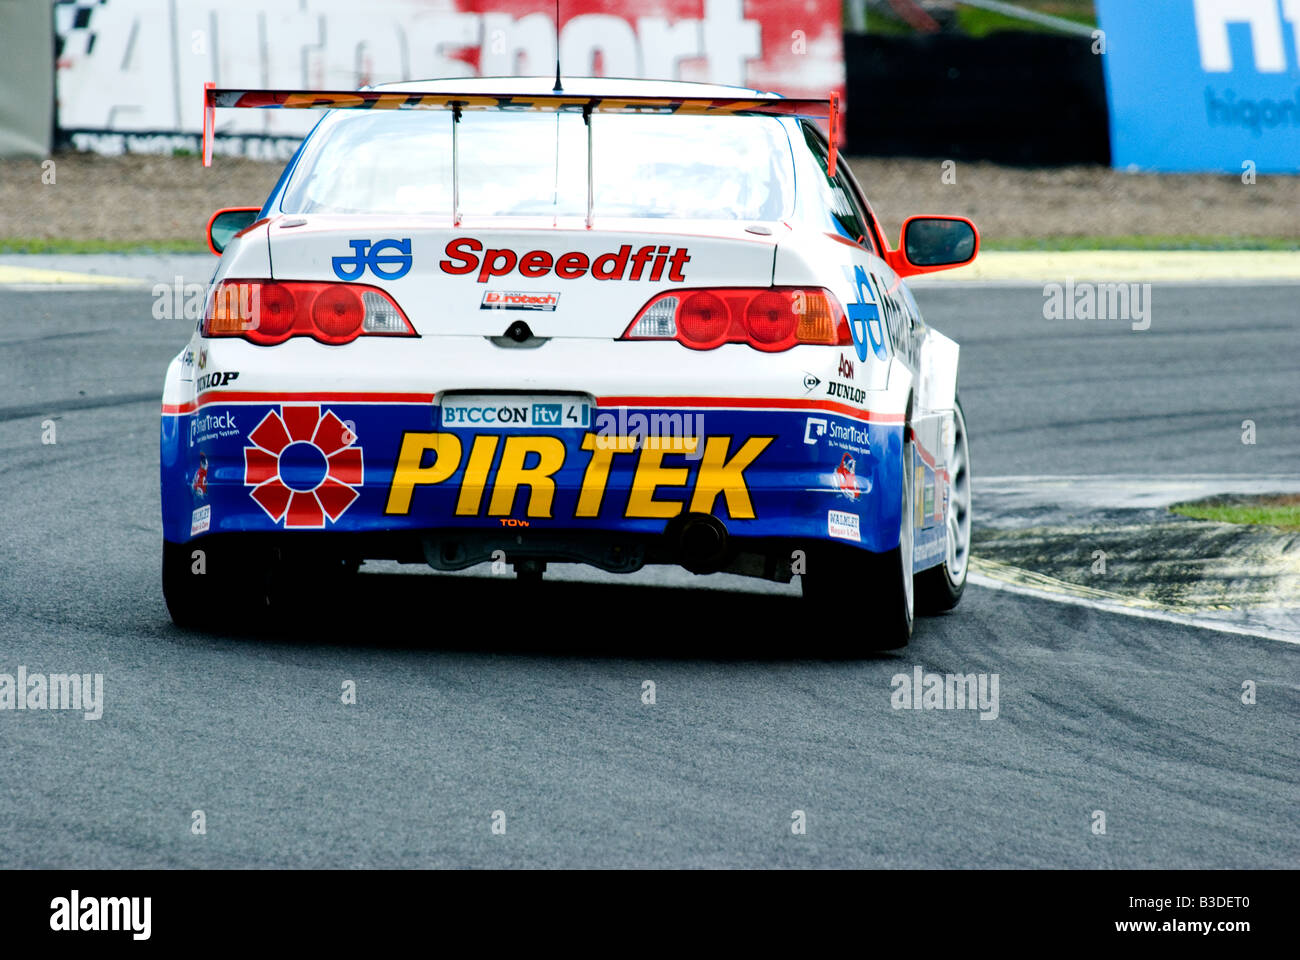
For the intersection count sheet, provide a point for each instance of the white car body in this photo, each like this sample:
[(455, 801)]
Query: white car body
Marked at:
[(816, 401)]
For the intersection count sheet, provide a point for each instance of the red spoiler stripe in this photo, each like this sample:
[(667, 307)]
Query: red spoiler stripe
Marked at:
[(749, 403), (546, 103), (312, 396), (736, 403)]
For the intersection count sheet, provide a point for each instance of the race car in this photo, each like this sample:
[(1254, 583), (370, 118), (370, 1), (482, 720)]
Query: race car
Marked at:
[(609, 322)]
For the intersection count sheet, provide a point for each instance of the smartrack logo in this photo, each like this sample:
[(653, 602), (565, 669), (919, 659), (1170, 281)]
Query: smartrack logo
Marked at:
[(853, 437), (208, 426)]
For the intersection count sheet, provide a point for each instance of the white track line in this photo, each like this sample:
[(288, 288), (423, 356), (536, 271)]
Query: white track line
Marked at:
[(1110, 606), (1133, 492)]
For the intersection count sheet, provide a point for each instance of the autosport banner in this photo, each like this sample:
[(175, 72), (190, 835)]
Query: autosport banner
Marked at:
[(131, 72), (1204, 85)]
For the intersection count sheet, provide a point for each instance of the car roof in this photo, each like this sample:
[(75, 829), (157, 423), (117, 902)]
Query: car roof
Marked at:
[(578, 86)]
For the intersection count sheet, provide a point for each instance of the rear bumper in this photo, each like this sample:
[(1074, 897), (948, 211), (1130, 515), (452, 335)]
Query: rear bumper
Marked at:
[(388, 471)]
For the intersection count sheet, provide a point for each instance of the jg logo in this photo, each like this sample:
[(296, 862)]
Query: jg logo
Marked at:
[(864, 318), (389, 266)]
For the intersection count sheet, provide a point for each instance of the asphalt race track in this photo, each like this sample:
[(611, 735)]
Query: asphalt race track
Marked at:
[(474, 696)]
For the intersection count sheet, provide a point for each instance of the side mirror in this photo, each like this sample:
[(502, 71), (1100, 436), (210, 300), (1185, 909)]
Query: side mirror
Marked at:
[(934, 243), (225, 224)]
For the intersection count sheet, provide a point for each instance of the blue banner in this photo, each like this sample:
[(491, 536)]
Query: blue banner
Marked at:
[(1203, 85)]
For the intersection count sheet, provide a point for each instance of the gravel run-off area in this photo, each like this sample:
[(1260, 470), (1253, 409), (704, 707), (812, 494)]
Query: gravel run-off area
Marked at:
[(139, 199)]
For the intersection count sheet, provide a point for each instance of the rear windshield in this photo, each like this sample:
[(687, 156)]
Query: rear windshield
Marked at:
[(715, 168)]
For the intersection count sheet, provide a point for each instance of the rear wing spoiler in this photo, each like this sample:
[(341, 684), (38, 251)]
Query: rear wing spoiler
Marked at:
[(458, 103)]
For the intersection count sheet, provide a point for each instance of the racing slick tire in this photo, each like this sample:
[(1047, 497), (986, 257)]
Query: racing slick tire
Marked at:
[(303, 590), (885, 578), (209, 583), (939, 588)]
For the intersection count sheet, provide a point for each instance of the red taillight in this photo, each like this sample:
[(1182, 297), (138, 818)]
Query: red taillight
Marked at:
[(267, 312), (338, 312), (702, 320), (769, 319), (275, 310)]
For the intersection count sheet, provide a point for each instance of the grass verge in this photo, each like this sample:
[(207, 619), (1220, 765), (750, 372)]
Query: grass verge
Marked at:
[(1136, 242), (69, 245), (1277, 511), (980, 23)]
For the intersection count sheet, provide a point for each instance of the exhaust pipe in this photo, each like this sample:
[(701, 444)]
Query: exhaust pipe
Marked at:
[(701, 543)]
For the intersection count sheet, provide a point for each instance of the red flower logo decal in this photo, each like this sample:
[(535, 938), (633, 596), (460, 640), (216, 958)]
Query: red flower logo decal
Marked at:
[(303, 467)]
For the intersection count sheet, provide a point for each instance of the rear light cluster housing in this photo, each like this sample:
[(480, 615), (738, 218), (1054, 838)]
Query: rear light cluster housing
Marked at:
[(267, 312), (767, 318)]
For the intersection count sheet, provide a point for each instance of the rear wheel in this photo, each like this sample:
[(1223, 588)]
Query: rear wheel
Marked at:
[(939, 588), (300, 589), (180, 583), (884, 580), (211, 583), (890, 627)]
